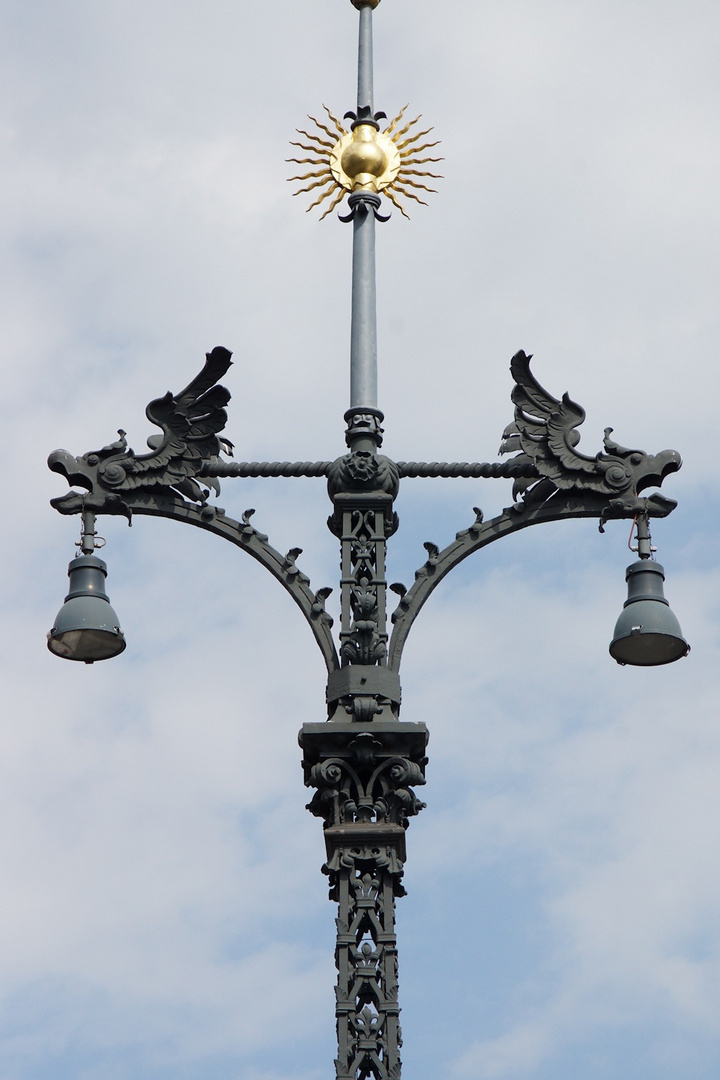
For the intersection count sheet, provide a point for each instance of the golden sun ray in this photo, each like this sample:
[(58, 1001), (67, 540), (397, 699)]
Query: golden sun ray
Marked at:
[(403, 131), (315, 138), (360, 157), (310, 187), (306, 176), (310, 175), (409, 194), (332, 134), (340, 129), (321, 197), (391, 196), (395, 121), (425, 146), (340, 195), (420, 172)]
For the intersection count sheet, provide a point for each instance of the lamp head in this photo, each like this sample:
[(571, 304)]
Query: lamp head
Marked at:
[(647, 633), (86, 627)]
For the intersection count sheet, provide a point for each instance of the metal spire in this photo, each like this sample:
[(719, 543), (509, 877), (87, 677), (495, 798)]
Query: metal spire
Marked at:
[(364, 162), (363, 330), (365, 57)]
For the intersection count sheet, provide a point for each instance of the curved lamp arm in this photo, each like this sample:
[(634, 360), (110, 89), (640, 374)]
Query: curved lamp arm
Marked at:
[(169, 482), (241, 533), (481, 533)]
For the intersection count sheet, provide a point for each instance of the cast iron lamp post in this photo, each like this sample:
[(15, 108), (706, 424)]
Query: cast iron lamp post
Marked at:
[(364, 761)]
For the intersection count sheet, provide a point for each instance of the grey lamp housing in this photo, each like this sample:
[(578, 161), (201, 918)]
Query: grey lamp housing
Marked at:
[(86, 627), (647, 632)]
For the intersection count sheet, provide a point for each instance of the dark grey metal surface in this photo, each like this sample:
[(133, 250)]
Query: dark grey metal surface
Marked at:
[(365, 90), (364, 778), (469, 469), (363, 321), (363, 328)]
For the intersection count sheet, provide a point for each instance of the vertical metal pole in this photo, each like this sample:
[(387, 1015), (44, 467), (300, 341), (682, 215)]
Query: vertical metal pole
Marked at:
[(87, 537), (644, 541), (362, 760), (363, 331), (365, 64)]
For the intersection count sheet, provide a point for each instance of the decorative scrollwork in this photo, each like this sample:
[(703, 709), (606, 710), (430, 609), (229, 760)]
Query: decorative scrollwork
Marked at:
[(363, 538), (364, 202), (429, 566), (293, 571), (365, 796), (365, 885), (356, 789), (247, 531)]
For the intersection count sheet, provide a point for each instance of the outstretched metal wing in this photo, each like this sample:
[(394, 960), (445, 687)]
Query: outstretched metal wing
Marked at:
[(190, 422), (544, 432)]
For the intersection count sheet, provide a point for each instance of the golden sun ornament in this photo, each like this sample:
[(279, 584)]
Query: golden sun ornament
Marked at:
[(363, 158)]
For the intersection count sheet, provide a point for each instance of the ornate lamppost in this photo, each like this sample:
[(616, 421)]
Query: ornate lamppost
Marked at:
[(363, 761)]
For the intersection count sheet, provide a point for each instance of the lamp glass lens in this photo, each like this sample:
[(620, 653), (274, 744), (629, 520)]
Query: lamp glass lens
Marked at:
[(86, 644)]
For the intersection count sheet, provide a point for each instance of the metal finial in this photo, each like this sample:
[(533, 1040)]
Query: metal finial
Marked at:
[(364, 162), (365, 64), (362, 158), (358, 157)]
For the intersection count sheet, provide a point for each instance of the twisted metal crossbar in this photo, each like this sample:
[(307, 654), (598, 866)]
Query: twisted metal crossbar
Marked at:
[(471, 470)]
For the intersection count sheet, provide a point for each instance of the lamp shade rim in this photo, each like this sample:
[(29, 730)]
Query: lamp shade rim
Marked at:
[(650, 649)]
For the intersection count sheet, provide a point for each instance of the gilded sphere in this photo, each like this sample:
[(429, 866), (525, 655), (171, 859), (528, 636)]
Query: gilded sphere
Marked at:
[(363, 156)]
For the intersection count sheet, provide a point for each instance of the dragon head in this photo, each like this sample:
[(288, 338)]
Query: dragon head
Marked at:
[(627, 469)]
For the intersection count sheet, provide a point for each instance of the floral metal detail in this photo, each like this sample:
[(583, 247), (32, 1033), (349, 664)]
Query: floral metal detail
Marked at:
[(361, 470), (363, 636), (367, 783), (365, 798), (369, 1036)]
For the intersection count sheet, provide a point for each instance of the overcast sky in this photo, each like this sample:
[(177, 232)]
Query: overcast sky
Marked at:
[(162, 910)]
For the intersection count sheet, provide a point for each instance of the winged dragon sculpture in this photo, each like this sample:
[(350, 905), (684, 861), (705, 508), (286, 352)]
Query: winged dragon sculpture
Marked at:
[(544, 434), (190, 422)]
